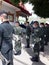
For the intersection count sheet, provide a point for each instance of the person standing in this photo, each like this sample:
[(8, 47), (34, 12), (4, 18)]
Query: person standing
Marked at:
[(18, 34), (43, 36), (36, 33), (28, 33), (47, 33), (6, 35)]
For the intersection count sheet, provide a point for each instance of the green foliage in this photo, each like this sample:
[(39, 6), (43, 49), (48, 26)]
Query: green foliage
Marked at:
[(41, 7), (15, 2), (24, 1)]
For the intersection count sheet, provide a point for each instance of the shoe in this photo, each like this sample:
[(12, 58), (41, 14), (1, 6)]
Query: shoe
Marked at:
[(46, 44), (42, 50), (34, 59), (18, 53)]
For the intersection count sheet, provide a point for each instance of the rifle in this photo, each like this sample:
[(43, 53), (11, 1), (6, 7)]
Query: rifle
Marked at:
[(3, 58)]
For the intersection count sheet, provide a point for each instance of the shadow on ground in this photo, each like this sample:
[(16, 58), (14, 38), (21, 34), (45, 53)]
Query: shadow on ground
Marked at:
[(46, 52), (29, 51), (38, 63)]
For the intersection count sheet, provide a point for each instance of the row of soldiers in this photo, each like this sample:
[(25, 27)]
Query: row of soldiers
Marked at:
[(40, 37)]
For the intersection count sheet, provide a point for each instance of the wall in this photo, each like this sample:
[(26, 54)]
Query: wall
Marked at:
[(9, 8)]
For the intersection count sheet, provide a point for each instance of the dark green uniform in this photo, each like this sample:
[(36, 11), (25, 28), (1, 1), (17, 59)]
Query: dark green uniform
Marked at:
[(28, 33), (42, 42), (43, 36), (47, 34), (36, 34)]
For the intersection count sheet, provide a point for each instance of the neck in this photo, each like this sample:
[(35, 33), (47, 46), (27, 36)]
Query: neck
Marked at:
[(5, 20)]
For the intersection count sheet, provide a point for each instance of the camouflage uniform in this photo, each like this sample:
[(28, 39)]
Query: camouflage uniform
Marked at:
[(18, 33), (36, 33)]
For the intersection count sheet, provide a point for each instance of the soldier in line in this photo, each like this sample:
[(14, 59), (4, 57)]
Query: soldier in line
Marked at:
[(18, 34), (42, 42), (28, 33), (36, 33), (47, 33), (44, 30), (6, 35)]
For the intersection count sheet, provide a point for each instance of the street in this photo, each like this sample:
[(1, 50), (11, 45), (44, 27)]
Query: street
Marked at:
[(24, 58)]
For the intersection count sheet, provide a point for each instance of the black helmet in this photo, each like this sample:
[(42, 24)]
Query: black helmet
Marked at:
[(36, 22)]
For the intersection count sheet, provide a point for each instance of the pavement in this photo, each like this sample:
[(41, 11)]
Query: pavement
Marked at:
[(26, 54)]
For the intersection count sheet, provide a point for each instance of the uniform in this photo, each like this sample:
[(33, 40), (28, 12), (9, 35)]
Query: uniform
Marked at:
[(6, 47), (47, 34), (28, 33), (36, 34), (43, 36), (42, 42), (18, 33)]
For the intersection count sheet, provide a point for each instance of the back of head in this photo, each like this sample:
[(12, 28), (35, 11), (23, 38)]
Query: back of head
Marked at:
[(42, 24), (4, 15), (46, 24), (27, 23), (17, 23)]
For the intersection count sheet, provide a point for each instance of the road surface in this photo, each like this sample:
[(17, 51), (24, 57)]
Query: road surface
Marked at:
[(24, 58)]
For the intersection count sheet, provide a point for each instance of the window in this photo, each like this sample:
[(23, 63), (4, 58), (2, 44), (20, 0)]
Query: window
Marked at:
[(11, 17)]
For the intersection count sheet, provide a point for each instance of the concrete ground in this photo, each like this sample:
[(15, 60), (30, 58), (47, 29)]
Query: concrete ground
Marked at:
[(24, 58)]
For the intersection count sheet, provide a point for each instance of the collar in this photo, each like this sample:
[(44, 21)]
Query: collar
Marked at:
[(5, 22)]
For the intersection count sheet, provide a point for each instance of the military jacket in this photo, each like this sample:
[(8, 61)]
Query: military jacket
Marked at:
[(6, 35), (36, 34)]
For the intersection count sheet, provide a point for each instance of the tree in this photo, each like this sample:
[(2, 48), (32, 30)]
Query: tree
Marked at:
[(41, 7), (15, 2)]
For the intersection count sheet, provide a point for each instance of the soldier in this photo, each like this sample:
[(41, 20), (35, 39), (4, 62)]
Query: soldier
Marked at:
[(47, 33), (36, 33), (6, 33), (42, 27), (18, 34), (44, 30), (28, 33)]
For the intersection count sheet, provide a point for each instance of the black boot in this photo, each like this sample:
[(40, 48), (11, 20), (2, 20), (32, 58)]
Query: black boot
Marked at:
[(42, 49), (35, 59), (8, 63)]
